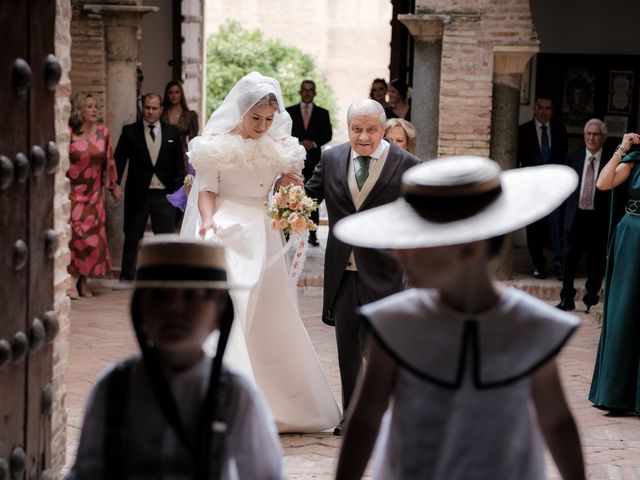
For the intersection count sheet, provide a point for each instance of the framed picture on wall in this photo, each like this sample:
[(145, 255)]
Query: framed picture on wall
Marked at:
[(578, 94), (620, 91), (617, 125)]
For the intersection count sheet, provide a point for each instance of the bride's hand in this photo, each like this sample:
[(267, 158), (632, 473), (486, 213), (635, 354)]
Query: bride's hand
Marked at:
[(206, 226)]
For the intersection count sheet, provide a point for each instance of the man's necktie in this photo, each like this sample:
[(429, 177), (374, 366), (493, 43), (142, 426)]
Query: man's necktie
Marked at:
[(586, 197), (152, 132), (544, 144), (305, 115), (363, 173)]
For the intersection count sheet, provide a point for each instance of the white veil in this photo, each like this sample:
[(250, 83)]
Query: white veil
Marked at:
[(244, 95)]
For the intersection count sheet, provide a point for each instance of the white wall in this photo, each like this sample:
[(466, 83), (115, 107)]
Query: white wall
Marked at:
[(349, 39)]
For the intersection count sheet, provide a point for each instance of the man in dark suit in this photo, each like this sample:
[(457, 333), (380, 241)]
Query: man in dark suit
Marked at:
[(352, 177), (541, 141), (586, 218), (312, 127), (156, 167)]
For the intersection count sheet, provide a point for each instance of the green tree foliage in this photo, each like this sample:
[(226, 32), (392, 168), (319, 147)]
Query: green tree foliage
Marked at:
[(233, 51)]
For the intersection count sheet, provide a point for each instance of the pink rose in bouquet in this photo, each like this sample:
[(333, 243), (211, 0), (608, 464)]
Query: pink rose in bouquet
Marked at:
[(281, 200), (298, 222)]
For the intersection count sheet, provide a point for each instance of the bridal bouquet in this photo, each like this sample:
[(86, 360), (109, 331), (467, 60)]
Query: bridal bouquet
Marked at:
[(290, 209)]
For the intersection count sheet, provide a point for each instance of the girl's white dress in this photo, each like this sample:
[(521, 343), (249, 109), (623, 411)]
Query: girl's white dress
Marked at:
[(268, 341), (462, 400)]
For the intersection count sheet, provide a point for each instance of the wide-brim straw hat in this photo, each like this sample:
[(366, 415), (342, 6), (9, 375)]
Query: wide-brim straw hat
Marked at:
[(171, 261), (457, 200)]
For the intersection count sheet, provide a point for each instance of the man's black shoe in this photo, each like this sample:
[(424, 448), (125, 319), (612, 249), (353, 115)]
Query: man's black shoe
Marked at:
[(313, 239), (559, 274), (338, 430), (539, 274), (566, 305)]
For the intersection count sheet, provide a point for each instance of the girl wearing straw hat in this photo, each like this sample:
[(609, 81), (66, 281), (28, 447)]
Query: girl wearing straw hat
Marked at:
[(465, 366), (174, 412)]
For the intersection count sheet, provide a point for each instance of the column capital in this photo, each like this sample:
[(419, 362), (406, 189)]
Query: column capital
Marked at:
[(124, 15), (425, 27), (511, 59)]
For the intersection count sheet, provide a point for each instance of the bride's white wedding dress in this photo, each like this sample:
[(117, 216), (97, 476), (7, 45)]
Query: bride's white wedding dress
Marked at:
[(268, 341)]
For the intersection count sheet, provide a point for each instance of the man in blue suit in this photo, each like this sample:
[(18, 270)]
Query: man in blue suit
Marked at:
[(542, 141)]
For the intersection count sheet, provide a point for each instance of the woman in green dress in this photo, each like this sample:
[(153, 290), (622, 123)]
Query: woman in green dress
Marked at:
[(615, 386)]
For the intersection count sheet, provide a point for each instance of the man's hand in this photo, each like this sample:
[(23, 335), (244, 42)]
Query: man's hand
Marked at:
[(290, 179)]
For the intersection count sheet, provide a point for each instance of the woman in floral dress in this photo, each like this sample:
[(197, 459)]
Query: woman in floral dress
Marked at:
[(91, 169)]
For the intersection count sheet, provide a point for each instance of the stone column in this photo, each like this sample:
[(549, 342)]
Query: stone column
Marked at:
[(121, 28), (425, 101), (509, 63)]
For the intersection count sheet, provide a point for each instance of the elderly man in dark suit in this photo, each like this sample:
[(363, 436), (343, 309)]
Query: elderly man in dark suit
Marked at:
[(586, 218), (312, 127), (541, 141), (156, 167), (352, 177)]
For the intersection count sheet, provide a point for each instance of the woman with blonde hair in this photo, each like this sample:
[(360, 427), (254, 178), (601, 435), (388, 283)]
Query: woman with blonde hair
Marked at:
[(91, 169), (402, 133)]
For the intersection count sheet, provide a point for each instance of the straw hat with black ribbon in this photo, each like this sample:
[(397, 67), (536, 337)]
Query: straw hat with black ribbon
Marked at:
[(170, 261), (456, 200)]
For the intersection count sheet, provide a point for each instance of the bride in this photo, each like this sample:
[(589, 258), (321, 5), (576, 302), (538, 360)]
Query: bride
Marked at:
[(244, 148)]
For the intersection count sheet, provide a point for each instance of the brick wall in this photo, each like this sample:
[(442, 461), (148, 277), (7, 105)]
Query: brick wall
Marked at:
[(471, 32), (60, 217), (88, 50)]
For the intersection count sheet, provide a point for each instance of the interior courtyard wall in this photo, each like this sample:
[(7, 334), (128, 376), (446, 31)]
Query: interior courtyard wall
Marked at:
[(88, 50), (61, 211), (156, 46), (472, 31)]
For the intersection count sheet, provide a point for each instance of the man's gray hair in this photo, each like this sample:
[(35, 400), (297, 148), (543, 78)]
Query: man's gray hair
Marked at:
[(364, 108), (596, 121)]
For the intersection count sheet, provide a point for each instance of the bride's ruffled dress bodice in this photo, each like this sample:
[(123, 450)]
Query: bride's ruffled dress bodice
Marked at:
[(268, 340), (231, 165)]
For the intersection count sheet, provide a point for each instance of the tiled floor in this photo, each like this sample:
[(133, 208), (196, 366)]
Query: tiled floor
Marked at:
[(101, 333)]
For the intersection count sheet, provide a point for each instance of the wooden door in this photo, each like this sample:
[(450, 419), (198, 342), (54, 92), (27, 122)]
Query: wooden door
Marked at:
[(28, 161)]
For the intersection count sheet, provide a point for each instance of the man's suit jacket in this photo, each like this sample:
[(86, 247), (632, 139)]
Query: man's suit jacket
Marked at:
[(319, 131), (602, 199), (169, 167), (379, 273), (529, 153)]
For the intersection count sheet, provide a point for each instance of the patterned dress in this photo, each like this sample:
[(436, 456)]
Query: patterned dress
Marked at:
[(92, 168)]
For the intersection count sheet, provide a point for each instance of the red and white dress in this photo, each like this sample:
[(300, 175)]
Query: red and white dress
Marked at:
[(91, 170)]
